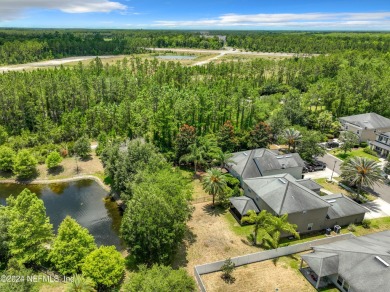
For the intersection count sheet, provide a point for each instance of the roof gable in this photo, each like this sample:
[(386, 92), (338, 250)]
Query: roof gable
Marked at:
[(368, 121)]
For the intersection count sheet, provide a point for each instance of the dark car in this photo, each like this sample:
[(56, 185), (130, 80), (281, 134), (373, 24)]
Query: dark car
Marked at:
[(318, 165)]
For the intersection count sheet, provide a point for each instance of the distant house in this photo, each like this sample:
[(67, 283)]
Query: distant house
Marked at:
[(381, 144), (360, 264), (283, 194), (365, 126), (264, 162)]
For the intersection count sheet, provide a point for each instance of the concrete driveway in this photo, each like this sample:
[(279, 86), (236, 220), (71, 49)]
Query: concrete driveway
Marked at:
[(377, 209)]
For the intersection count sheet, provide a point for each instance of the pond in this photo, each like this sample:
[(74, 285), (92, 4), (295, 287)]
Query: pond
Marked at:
[(173, 57), (83, 200)]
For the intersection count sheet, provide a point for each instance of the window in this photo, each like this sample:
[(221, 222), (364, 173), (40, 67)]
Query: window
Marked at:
[(310, 226), (346, 286), (340, 280), (357, 132)]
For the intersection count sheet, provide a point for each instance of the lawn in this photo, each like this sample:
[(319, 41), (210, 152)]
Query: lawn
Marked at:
[(332, 187), (196, 181), (355, 152)]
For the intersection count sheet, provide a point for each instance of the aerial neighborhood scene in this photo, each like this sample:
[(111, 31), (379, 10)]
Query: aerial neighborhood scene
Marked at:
[(194, 146)]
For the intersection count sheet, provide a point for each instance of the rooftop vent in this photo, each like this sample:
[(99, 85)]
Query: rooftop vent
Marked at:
[(331, 201), (246, 154), (288, 156), (279, 157), (282, 180), (382, 261)]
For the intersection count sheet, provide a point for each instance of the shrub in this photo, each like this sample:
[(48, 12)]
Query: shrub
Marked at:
[(7, 158), (363, 144), (368, 150), (53, 159), (82, 147), (25, 164), (366, 223), (352, 227), (227, 270)]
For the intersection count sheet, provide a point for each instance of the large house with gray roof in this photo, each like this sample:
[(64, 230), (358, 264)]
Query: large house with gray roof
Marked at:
[(381, 144), (360, 264), (274, 183), (365, 126), (264, 162)]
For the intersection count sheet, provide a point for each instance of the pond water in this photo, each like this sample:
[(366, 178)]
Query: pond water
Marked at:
[(83, 200), (172, 57)]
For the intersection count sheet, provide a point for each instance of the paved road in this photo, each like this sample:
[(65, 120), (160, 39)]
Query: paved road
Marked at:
[(330, 162)]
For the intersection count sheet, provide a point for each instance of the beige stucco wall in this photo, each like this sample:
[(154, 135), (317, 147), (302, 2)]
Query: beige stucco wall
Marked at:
[(364, 134), (316, 216)]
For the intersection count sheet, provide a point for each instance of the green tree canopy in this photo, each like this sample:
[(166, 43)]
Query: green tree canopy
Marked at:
[(70, 247), (292, 137), (25, 164), (30, 230), (82, 147), (160, 278), (16, 268), (348, 139), (361, 172), (214, 183), (260, 136), (3, 135), (53, 159), (80, 284), (105, 266), (7, 158), (151, 242), (309, 147)]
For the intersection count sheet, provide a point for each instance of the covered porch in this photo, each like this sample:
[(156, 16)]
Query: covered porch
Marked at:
[(239, 207), (317, 266)]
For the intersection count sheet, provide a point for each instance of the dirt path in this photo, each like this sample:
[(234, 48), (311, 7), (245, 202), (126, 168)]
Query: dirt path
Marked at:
[(209, 60), (49, 63)]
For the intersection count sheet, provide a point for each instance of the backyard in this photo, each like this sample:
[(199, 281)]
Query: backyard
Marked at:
[(280, 274)]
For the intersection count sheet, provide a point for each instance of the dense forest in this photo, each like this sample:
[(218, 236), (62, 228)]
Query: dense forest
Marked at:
[(22, 46), (152, 99)]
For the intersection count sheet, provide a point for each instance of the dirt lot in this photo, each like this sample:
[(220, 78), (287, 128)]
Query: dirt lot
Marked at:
[(262, 276), (209, 239)]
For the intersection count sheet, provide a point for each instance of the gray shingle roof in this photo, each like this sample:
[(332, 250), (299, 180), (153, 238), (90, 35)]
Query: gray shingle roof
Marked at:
[(254, 163), (368, 120), (358, 264), (284, 195), (309, 183), (322, 263), (342, 206), (244, 204)]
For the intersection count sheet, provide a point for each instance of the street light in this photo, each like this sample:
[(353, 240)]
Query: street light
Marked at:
[(331, 177)]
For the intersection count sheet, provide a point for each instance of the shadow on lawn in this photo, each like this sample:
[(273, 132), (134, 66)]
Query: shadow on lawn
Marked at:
[(216, 210), (181, 255)]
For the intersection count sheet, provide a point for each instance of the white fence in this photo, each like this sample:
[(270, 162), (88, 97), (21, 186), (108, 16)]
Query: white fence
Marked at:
[(264, 255)]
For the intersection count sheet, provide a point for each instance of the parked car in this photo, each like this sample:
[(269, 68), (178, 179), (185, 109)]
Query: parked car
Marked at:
[(318, 165)]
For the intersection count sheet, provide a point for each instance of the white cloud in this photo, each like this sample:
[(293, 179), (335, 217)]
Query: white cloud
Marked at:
[(375, 20), (13, 9)]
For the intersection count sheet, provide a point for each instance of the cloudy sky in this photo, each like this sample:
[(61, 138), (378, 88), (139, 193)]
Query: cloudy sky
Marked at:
[(200, 14)]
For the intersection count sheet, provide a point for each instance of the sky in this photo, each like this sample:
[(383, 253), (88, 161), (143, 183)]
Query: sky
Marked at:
[(199, 14)]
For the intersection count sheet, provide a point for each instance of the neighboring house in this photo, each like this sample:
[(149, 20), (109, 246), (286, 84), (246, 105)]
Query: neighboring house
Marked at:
[(360, 264), (365, 125), (283, 194), (264, 162), (381, 144)]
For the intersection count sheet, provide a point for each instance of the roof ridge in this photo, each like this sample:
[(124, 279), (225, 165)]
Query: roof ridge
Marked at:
[(310, 192), (362, 252), (246, 163), (284, 197)]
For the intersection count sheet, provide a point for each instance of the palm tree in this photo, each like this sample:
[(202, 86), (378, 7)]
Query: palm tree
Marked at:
[(80, 284), (278, 225), (292, 136), (224, 158), (259, 221), (214, 182), (196, 155), (361, 171)]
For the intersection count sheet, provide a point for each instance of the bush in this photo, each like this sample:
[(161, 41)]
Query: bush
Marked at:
[(53, 159), (82, 147), (352, 227), (227, 270), (366, 223), (363, 144), (368, 150), (7, 158), (25, 164)]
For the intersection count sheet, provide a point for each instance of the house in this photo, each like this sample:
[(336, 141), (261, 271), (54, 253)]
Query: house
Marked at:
[(381, 144), (365, 126), (283, 194), (264, 162), (360, 264)]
